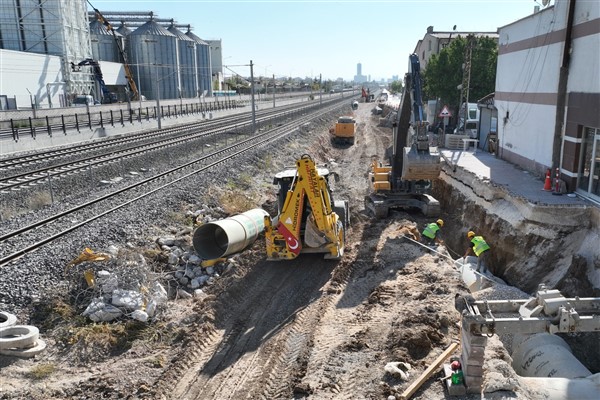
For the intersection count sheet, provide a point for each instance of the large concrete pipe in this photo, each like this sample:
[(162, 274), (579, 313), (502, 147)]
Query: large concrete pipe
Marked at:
[(546, 355), (565, 388), (230, 235)]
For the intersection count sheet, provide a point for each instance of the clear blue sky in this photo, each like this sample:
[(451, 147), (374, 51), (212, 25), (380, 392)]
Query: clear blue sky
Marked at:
[(307, 38)]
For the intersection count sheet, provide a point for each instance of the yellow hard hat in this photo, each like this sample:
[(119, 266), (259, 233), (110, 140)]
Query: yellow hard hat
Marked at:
[(440, 222), (470, 234)]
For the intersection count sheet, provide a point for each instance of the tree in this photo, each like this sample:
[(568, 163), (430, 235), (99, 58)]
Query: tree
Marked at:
[(396, 87), (444, 71)]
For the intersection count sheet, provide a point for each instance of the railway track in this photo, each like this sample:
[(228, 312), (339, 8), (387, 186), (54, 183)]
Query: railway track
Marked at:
[(23, 240), (31, 168)]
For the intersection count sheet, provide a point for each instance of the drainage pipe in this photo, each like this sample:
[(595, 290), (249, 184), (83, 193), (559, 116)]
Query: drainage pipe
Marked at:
[(230, 235), (565, 388), (546, 355)]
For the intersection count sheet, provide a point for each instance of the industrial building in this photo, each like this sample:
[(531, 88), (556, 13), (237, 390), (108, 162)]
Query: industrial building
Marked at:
[(548, 94), (54, 50)]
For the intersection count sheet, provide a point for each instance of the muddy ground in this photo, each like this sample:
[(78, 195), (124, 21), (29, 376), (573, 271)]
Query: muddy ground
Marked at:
[(307, 328)]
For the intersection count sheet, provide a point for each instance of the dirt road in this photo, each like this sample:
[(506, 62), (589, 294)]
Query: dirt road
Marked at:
[(320, 329)]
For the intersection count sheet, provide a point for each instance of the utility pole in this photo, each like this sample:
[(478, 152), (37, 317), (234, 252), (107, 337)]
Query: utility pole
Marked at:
[(320, 90), (252, 97), (464, 95), (273, 90)]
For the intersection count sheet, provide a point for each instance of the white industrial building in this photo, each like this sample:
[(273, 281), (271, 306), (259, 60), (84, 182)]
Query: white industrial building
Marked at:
[(41, 43), (548, 93)]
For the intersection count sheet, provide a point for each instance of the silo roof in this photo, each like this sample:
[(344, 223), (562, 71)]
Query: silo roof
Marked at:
[(195, 38), (98, 28), (123, 30), (180, 35), (152, 28)]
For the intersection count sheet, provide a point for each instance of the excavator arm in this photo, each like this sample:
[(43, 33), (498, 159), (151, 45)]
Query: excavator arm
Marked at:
[(307, 221)]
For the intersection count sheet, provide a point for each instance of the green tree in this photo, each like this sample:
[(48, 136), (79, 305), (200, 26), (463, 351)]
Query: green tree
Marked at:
[(396, 87), (444, 71)]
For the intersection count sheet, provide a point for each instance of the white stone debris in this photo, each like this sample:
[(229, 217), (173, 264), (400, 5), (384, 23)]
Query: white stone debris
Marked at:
[(107, 282), (99, 311), (398, 369), (128, 299), (139, 315)]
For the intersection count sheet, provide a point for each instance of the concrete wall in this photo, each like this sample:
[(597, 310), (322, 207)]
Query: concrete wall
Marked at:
[(529, 60), (40, 74)]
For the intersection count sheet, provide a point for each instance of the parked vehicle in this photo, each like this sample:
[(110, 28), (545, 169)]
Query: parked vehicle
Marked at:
[(83, 100)]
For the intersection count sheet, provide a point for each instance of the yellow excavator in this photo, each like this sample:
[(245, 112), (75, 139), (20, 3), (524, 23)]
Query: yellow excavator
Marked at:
[(308, 220)]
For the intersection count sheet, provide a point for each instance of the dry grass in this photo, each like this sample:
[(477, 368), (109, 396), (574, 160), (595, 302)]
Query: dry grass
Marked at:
[(38, 200), (41, 371)]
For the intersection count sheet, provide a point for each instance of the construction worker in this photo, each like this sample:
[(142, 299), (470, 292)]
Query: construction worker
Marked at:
[(431, 234), (480, 248)]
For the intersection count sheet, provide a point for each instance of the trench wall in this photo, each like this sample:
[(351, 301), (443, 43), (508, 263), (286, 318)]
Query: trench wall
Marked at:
[(530, 243)]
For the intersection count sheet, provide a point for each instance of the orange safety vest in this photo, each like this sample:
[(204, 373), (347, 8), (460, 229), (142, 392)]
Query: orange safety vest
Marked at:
[(479, 245)]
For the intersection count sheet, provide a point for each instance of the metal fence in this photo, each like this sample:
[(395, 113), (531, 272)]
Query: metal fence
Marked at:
[(18, 123)]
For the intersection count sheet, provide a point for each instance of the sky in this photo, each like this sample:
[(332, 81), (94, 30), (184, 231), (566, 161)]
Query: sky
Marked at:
[(306, 38)]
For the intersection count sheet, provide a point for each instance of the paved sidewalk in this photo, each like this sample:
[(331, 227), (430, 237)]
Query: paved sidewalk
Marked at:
[(514, 180)]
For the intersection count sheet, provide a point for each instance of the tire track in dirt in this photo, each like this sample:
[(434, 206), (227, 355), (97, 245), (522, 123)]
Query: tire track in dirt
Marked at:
[(272, 320)]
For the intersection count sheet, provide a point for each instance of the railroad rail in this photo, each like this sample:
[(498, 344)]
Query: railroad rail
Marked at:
[(138, 144), (60, 224)]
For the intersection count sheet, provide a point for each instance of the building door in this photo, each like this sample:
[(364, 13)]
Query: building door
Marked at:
[(588, 180)]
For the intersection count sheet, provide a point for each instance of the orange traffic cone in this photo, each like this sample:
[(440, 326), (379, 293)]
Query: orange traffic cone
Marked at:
[(548, 182)]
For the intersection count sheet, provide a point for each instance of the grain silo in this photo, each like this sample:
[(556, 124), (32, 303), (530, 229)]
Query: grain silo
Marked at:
[(52, 27), (204, 68), (105, 45), (187, 63), (153, 50)]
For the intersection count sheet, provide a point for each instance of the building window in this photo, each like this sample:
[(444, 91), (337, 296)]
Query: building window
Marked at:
[(429, 45), (588, 179), (423, 55)]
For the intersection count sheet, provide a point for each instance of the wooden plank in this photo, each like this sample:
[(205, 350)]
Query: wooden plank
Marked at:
[(428, 372)]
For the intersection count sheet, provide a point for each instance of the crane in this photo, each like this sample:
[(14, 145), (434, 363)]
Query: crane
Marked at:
[(130, 82)]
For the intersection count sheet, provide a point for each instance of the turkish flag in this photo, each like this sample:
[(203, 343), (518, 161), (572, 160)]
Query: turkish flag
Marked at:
[(292, 242)]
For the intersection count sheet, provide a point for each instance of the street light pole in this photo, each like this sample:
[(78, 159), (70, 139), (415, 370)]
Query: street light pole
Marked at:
[(273, 90), (320, 89), (158, 113), (252, 97)]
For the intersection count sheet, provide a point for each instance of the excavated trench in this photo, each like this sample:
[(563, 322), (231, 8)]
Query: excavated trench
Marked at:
[(531, 244)]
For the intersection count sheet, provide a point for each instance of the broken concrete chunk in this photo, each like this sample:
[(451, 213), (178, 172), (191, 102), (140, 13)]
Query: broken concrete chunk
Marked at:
[(98, 311), (107, 281), (183, 294), (139, 315), (398, 369), (166, 241), (128, 299)]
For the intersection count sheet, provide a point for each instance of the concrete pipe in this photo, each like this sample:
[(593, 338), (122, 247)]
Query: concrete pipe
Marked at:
[(230, 235), (546, 355), (7, 319), (564, 388)]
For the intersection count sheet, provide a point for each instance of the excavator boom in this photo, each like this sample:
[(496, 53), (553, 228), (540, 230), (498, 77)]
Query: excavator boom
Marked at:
[(309, 220)]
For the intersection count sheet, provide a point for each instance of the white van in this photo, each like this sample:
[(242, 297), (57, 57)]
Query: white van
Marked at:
[(83, 100), (472, 126)]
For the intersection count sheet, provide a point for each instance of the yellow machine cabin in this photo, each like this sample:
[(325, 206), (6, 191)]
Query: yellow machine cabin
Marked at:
[(308, 220), (344, 130)]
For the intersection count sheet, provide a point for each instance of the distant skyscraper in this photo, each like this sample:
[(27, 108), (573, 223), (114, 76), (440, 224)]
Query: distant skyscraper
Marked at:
[(359, 76)]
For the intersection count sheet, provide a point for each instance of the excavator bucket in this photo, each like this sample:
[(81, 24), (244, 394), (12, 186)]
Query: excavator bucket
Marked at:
[(419, 165)]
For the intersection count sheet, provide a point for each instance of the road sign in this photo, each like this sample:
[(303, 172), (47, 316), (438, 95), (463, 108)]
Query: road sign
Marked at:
[(445, 112)]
